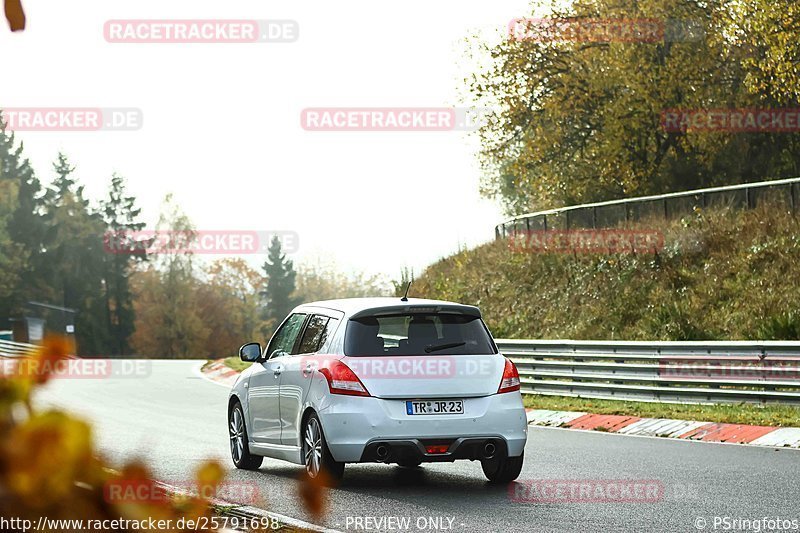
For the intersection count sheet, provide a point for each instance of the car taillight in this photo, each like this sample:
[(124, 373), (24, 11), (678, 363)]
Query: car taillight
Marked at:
[(342, 380), (510, 381)]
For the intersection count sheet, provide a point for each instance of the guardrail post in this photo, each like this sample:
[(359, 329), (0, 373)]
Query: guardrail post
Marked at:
[(544, 222), (594, 218), (793, 195)]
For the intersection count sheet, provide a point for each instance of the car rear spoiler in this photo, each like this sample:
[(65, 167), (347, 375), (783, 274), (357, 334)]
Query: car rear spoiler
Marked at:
[(405, 309)]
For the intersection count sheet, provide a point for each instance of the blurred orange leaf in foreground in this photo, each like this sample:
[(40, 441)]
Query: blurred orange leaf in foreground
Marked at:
[(49, 466), (313, 493), (15, 15)]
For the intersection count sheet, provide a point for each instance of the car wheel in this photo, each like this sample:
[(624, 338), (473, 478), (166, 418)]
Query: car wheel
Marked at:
[(502, 469), (317, 457), (237, 430)]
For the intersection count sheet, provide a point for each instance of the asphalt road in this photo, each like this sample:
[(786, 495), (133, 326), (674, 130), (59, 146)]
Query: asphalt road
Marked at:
[(173, 419)]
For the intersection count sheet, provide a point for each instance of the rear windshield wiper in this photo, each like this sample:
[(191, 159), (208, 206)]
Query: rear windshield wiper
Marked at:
[(435, 348)]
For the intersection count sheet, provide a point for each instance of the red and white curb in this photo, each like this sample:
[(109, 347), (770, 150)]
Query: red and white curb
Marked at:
[(219, 372), (665, 427)]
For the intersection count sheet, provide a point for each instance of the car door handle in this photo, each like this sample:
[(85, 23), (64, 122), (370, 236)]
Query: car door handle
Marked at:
[(277, 371)]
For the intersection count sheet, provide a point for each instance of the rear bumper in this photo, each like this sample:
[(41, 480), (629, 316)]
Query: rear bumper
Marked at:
[(355, 427), (395, 450)]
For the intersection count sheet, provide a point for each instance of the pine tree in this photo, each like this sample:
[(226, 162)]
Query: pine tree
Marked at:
[(280, 285), (23, 225), (121, 218), (73, 260)]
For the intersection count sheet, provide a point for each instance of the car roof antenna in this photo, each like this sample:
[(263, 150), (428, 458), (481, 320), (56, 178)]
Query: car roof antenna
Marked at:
[(405, 296)]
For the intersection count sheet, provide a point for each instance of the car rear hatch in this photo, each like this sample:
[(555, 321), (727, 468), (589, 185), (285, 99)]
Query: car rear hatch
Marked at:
[(414, 352)]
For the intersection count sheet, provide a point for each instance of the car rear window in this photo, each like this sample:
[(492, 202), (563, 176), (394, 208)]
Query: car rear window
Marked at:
[(417, 334)]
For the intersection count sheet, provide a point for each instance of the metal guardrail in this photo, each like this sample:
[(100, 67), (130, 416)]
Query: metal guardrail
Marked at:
[(16, 349), (680, 372), (614, 213)]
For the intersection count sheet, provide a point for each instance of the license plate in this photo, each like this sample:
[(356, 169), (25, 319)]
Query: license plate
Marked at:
[(435, 407)]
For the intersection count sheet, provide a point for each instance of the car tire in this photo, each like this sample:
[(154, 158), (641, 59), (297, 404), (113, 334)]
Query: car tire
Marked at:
[(237, 430), (502, 469), (317, 457)]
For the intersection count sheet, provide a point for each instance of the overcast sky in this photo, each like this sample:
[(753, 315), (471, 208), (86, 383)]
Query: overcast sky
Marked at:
[(222, 121)]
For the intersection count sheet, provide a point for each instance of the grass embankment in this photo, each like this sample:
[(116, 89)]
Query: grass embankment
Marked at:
[(236, 363), (722, 274), (771, 415), (727, 274)]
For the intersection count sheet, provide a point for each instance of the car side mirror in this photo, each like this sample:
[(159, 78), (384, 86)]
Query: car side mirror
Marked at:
[(250, 352)]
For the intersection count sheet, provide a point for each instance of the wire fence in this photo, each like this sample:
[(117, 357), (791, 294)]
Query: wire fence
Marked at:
[(616, 213)]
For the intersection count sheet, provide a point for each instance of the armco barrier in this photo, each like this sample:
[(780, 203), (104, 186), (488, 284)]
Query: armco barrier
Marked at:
[(616, 213), (682, 372), (16, 349)]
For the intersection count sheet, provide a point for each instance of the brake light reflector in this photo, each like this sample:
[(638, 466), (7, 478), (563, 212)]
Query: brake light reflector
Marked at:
[(437, 448), (342, 380), (510, 381)]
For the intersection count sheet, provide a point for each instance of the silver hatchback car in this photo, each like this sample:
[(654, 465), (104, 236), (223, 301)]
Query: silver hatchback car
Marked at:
[(387, 380)]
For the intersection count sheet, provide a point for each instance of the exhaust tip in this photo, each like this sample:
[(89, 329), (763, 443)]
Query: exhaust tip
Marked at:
[(489, 449), (382, 452)]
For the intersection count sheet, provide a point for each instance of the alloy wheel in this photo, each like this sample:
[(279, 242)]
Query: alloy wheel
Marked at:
[(237, 436), (313, 445)]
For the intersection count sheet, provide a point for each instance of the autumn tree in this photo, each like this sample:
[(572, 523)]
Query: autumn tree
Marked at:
[(228, 305), (168, 321), (769, 31), (324, 281), (580, 119)]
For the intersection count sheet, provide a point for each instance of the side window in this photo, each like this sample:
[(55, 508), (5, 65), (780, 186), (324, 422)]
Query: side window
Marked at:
[(314, 335), (333, 323), (283, 341)]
